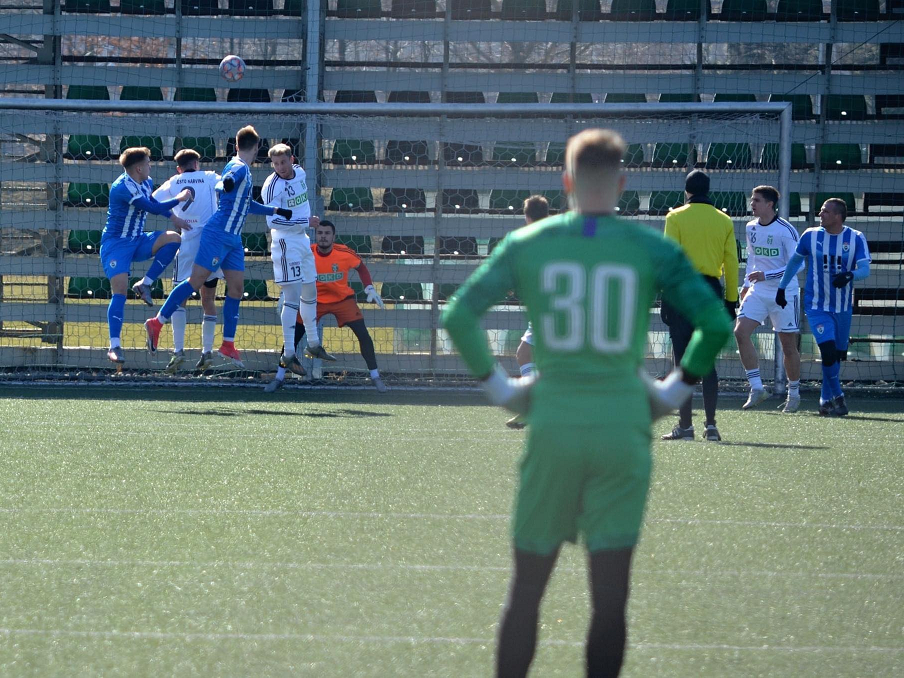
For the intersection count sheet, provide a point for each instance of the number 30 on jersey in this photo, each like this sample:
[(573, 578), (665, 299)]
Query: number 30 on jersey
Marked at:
[(605, 300)]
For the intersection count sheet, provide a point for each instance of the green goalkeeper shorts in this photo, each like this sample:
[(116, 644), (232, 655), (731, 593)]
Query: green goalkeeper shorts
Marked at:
[(587, 479)]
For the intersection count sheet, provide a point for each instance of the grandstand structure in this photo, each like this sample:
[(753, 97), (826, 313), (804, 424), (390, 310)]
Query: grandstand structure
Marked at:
[(425, 197)]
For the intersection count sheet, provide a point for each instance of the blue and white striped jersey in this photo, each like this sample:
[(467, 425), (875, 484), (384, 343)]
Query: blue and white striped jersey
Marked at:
[(769, 247), (124, 219), (827, 256), (234, 206)]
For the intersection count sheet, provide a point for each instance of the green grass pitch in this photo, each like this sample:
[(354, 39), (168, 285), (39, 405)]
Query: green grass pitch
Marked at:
[(209, 532)]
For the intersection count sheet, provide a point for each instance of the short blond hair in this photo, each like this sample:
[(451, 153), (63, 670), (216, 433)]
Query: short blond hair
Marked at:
[(133, 156), (594, 153), (280, 149)]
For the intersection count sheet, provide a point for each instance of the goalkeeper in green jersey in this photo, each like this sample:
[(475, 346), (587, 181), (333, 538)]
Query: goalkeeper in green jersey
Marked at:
[(588, 280)]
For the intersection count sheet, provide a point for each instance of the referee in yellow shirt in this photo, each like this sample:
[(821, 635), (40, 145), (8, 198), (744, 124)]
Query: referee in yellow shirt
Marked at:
[(707, 237)]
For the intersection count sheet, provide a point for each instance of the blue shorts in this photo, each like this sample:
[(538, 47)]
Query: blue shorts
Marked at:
[(829, 326), (117, 254), (219, 249)]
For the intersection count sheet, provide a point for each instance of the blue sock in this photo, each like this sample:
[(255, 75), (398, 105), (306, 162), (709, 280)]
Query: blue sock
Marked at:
[(835, 381), (162, 259), (115, 313), (180, 293), (230, 318)]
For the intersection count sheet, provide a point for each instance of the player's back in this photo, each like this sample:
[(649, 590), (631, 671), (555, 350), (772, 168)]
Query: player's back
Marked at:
[(203, 203), (233, 205), (124, 220)]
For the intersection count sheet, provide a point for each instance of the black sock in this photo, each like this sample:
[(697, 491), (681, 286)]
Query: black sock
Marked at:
[(609, 575), (710, 397)]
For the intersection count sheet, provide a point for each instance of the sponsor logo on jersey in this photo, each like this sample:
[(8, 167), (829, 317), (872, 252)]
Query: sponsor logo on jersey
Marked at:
[(769, 240), (766, 251), (335, 276), (298, 200)]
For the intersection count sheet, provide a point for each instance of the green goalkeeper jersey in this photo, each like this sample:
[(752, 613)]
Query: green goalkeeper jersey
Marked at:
[(588, 283)]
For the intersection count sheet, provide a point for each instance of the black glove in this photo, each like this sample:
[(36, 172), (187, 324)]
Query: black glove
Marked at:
[(731, 307), (284, 213), (780, 298), (228, 184), (842, 279)]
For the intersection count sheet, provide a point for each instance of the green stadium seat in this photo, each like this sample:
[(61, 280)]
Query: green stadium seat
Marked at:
[(629, 204), (145, 7), (685, 10), (203, 94), (200, 8), (890, 106), (251, 7), (456, 245), (358, 9), (507, 201), (846, 107), (296, 143), (523, 10), (491, 245), (626, 98), (154, 144), (87, 6), (840, 157), (518, 98), (558, 201), (351, 200), (857, 10), (206, 146), (410, 245), (84, 242), (569, 98), (770, 157), (673, 154), (632, 10), (408, 152), (678, 98), (255, 244), (634, 156), (794, 209), (254, 96), (462, 155), (88, 288), (293, 8), (88, 146), (446, 290), (744, 10), (464, 10), (88, 195), (801, 104), (516, 153), (588, 10), (848, 198), (871, 201), (886, 154), (354, 151), (728, 156), (360, 243), (733, 203), (555, 154), (255, 290), (799, 10), (662, 202), (413, 9), (459, 201), (734, 98), (88, 92), (404, 200), (397, 292)]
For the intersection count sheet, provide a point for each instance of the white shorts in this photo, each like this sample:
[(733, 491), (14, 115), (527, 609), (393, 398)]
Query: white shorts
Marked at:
[(293, 260), (761, 305), (528, 336), (185, 259)]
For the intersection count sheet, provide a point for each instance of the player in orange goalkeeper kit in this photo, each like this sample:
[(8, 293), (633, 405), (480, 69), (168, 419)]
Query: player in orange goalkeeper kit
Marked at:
[(336, 297)]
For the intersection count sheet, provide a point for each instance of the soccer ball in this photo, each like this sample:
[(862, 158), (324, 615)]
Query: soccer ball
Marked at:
[(232, 68)]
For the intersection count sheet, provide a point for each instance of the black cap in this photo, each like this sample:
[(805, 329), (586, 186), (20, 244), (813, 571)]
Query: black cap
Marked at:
[(697, 183)]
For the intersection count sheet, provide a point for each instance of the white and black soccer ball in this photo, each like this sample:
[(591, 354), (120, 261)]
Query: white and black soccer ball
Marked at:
[(232, 68)]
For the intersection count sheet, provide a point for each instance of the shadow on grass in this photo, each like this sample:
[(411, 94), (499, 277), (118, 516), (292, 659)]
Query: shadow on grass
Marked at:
[(347, 413)]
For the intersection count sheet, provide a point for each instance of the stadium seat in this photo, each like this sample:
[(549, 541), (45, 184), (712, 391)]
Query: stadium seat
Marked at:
[(84, 242), (251, 7), (154, 144), (255, 290), (296, 143), (677, 98), (255, 244), (351, 200), (629, 204), (848, 198), (840, 157), (397, 292), (408, 152), (846, 107), (734, 98), (145, 7), (516, 153), (294, 8), (744, 10), (88, 195), (661, 202), (632, 10), (88, 288), (355, 96), (673, 154), (456, 245), (890, 106), (359, 243), (88, 92), (202, 94), (205, 146), (886, 154), (459, 201), (446, 290), (248, 96), (88, 146), (801, 104), (555, 154), (871, 201), (569, 98), (733, 203), (462, 155), (799, 10), (402, 244), (507, 201), (728, 156), (626, 98), (358, 9), (588, 10), (354, 151), (404, 200), (794, 209), (200, 8), (87, 6), (857, 10), (634, 156), (770, 157), (413, 9), (524, 10), (685, 10), (464, 10)]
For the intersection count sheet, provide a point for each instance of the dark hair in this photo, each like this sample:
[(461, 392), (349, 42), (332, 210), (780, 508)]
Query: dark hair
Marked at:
[(186, 157), (840, 205), (133, 156), (325, 222), (247, 138), (769, 193), (536, 207), (697, 183)]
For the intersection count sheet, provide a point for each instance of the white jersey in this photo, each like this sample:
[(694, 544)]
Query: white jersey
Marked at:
[(203, 203), (769, 248), (291, 194)]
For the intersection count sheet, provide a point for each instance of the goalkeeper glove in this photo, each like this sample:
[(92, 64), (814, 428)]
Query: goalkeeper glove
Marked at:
[(373, 297), (731, 307), (842, 279), (512, 394), (780, 297), (284, 213), (668, 395), (228, 184)]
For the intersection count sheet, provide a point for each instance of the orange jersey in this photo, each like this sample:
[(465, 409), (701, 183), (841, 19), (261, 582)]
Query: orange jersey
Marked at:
[(332, 273)]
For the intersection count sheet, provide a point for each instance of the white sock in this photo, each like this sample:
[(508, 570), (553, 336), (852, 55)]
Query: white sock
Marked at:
[(287, 316), (753, 376), (147, 281), (281, 373), (178, 321), (375, 374), (307, 309), (794, 389), (115, 342), (527, 369), (208, 329)]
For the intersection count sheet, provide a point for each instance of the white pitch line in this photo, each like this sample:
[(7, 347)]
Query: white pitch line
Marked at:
[(420, 640)]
